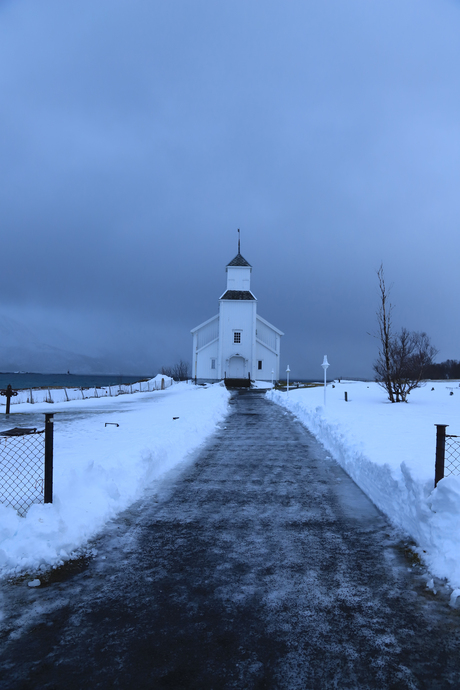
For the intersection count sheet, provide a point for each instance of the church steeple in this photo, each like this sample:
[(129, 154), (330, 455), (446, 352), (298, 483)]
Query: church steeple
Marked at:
[(238, 277), (239, 260)]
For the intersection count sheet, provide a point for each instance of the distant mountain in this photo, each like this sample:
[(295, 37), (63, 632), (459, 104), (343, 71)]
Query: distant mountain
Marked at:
[(22, 350)]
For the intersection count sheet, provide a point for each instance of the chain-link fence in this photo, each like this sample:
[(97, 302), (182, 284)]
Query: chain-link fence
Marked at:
[(25, 469), (447, 453), (452, 455)]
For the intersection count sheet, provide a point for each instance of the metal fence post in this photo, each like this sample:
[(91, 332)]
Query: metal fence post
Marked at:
[(49, 427), (440, 452), (9, 393)]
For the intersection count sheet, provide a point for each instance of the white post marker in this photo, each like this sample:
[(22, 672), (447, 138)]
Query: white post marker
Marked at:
[(325, 365), (273, 376), (287, 378)]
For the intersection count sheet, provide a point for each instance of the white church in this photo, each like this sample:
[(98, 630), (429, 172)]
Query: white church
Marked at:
[(237, 343)]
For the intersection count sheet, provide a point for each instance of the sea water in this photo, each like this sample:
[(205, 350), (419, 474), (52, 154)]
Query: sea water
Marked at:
[(20, 381)]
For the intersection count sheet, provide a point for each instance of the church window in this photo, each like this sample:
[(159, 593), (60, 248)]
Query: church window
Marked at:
[(237, 337), (259, 364), (213, 363)]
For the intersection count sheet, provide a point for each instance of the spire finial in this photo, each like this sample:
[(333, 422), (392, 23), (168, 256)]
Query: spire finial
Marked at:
[(238, 241)]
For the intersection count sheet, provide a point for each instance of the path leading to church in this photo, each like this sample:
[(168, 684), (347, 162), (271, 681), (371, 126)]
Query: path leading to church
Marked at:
[(260, 566)]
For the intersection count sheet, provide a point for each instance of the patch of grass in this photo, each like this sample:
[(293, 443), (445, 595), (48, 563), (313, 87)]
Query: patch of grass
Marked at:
[(410, 553)]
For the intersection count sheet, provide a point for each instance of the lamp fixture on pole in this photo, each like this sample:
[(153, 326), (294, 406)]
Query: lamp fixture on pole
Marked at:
[(325, 365), (287, 378), (273, 376)]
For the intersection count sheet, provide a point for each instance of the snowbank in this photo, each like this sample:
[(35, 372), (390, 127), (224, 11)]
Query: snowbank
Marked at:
[(389, 450), (100, 470)]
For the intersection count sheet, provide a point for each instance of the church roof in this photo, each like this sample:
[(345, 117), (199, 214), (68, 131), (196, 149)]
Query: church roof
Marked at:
[(238, 294), (239, 261)]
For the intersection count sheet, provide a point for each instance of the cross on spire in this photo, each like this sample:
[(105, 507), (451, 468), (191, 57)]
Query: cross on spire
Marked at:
[(239, 241)]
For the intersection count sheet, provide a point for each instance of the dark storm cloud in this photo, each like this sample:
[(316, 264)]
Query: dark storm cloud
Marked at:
[(135, 137)]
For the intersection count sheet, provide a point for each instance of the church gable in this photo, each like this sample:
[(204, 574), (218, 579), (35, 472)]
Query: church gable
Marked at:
[(206, 332), (267, 335)]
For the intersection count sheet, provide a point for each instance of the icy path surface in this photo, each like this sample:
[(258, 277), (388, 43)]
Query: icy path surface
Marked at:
[(262, 565)]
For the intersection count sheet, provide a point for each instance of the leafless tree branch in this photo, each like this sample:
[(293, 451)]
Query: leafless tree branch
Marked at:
[(403, 357)]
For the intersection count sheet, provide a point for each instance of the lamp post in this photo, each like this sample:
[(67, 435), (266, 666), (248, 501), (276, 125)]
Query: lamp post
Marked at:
[(287, 378), (325, 365), (273, 376)]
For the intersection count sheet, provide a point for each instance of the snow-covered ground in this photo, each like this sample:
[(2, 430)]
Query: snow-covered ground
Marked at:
[(100, 470), (389, 450)]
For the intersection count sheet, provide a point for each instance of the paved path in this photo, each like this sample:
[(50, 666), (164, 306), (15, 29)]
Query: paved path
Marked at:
[(260, 566)]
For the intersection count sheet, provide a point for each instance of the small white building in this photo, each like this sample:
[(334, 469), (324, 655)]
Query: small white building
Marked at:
[(236, 343)]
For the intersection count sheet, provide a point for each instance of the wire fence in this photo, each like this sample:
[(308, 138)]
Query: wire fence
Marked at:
[(22, 476), (447, 454), (57, 395), (452, 455)]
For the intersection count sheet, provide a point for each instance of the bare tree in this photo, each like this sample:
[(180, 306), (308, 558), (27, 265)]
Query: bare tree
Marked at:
[(178, 372), (403, 357), (450, 369), (181, 371), (382, 366)]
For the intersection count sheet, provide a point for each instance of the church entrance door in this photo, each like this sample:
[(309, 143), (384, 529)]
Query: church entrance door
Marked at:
[(236, 368)]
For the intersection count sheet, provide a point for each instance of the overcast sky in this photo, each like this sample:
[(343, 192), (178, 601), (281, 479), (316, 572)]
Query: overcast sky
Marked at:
[(136, 136)]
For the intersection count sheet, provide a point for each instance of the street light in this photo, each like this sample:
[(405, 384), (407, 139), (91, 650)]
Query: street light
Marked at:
[(273, 376), (325, 365), (287, 378)]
